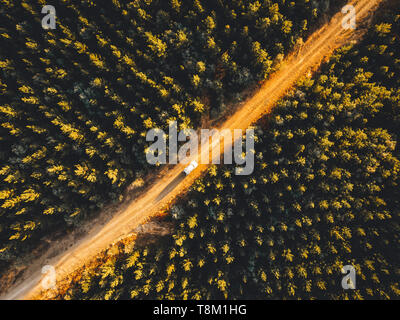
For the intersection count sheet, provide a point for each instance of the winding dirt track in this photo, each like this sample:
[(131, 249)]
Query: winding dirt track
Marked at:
[(319, 46)]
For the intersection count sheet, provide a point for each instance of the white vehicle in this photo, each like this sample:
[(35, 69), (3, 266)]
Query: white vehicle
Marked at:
[(193, 165)]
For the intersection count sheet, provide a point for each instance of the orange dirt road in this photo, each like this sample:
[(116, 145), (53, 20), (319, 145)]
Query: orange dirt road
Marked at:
[(319, 46)]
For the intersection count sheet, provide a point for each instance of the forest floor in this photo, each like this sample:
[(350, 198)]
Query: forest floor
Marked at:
[(120, 221)]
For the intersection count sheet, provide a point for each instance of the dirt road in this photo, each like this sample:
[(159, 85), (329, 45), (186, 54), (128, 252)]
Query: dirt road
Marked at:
[(319, 46)]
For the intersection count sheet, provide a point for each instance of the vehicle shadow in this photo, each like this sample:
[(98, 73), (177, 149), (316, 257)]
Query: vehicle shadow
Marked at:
[(170, 187)]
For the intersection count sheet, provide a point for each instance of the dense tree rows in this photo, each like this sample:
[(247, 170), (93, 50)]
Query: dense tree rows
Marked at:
[(76, 102), (325, 193)]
